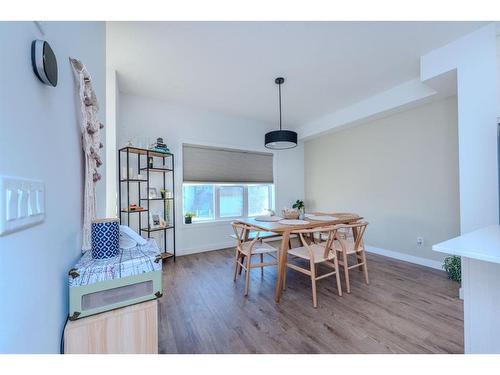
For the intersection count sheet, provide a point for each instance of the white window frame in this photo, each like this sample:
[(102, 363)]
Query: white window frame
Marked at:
[(216, 199)]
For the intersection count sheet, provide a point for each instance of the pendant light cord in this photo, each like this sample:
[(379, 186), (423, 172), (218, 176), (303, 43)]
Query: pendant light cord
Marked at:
[(279, 91)]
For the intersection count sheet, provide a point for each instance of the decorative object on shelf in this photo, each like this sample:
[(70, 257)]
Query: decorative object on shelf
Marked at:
[(166, 194), (280, 139), (453, 267), (44, 62), (155, 221), (159, 146), (299, 205), (152, 193), (91, 145), (167, 204), (159, 210), (290, 213), (130, 142), (105, 238), (188, 217), (134, 207)]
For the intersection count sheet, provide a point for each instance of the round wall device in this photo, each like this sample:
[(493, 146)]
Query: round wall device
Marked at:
[(44, 62)]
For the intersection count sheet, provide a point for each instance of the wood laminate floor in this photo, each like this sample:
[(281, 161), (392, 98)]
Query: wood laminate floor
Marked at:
[(406, 309)]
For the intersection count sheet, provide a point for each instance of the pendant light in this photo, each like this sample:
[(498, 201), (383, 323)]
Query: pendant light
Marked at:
[(280, 139)]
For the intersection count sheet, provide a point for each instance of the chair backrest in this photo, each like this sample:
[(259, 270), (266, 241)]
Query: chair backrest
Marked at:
[(358, 230), (330, 230), (241, 231)]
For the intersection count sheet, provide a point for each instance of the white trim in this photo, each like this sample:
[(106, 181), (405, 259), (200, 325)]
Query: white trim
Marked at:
[(405, 257), (211, 247)]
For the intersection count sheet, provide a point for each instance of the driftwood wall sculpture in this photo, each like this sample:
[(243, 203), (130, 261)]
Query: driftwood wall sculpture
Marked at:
[(91, 144)]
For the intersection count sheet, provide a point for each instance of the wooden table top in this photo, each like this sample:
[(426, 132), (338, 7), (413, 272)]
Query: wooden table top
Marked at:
[(277, 227)]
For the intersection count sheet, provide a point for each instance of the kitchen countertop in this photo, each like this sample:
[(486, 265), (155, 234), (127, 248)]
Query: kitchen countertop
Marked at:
[(482, 244)]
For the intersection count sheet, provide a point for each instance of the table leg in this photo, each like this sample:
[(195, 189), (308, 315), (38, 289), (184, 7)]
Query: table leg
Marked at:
[(281, 265)]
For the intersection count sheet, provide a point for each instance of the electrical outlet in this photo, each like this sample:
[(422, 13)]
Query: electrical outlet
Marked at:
[(420, 241)]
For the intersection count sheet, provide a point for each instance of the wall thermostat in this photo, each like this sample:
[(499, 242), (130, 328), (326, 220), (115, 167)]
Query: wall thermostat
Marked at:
[(44, 62)]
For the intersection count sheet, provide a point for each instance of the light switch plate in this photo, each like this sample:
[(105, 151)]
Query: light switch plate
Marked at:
[(22, 203)]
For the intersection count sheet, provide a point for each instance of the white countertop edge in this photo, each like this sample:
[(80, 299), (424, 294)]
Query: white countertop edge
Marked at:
[(467, 254), (482, 244)]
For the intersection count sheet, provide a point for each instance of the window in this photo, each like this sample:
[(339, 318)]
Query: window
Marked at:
[(231, 201), (258, 199), (199, 199), (211, 202)]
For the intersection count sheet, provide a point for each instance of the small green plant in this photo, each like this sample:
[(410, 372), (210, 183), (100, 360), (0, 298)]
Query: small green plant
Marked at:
[(188, 217), (452, 266), (299, 205)]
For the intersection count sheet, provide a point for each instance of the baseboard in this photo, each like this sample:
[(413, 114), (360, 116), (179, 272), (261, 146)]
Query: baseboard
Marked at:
[(405, 257), (205, 248), (371, 249), (217, 246)]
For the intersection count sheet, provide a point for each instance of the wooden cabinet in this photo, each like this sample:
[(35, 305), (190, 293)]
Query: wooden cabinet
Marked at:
[(128, 330)]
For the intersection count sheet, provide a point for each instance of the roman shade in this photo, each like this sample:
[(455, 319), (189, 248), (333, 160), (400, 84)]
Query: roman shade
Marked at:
[(208, 164)]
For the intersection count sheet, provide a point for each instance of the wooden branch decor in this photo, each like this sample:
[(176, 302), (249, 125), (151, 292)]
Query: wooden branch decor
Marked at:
[(91, 144)]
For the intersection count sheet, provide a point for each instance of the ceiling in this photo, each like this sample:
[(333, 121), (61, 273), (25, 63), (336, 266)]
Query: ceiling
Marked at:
[(231, 66)]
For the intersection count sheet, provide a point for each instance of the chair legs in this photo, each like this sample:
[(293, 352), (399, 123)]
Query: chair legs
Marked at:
[(247, 276), (337, 275), (365, 267), (346, 272), (313, 281), (236, 264), (362, 266)]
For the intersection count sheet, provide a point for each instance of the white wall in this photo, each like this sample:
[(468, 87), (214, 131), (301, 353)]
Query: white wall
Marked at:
[(143, 117), (474, 58), (112, 96), (399, 172), (40, 138)]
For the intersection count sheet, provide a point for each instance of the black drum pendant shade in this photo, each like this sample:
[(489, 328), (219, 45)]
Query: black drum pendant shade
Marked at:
[(280, 139)]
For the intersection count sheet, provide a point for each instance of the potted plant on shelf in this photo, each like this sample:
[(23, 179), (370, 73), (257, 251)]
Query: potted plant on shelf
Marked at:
[(453, 267), (188, 217), (299, 205)]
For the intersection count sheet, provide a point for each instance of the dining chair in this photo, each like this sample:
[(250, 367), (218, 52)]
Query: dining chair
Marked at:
[(342, 233), (349, 241), (315, 254), (246, 248)]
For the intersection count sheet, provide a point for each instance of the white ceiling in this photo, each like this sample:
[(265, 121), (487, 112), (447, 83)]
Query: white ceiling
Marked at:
[(231, 66)]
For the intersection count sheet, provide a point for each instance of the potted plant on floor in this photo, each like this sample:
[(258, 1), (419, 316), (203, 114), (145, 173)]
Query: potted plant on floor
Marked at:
[(188, 217), (453, 267)]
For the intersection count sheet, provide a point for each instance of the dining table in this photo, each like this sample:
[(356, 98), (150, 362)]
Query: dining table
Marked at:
[(278, 227)]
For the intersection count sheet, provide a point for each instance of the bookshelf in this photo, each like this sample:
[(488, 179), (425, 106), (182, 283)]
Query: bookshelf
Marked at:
[(148, 164)]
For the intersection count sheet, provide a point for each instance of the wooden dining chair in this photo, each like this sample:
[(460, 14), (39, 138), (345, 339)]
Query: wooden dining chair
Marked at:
[(246, 248), (349, 241), (315, 254)]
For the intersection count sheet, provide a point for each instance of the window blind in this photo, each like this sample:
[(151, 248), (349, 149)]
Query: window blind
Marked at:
[(208, 164)]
